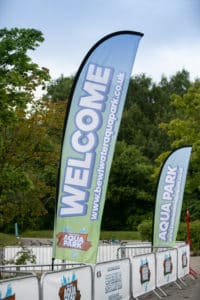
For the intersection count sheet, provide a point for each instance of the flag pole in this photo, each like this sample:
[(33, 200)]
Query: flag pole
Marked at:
[(188, 241)]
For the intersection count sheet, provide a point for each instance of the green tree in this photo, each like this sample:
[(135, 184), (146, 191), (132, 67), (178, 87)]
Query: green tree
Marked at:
[(129, 196), (147, 105), (33, 149), (59, 89), (50, 132), (185, 130), (19, 77)]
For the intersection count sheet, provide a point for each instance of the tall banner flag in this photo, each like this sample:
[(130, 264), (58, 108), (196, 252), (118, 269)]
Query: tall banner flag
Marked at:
[(91, 127), (169, 197)]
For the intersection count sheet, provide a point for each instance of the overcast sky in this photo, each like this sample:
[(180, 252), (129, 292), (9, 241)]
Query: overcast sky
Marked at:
[(171, 30)]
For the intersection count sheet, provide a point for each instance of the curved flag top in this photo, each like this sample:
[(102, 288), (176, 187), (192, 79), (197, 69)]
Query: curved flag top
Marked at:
[(169, 197), (90, 134)]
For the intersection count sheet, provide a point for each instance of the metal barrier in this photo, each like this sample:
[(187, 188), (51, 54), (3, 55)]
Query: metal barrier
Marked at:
[(112, 280), (143, 275), (166, 268), (131, 251), (43, 254), (5, 274), (38, 269), (183, 260), (76, 283), (147, 272), (23, 287)]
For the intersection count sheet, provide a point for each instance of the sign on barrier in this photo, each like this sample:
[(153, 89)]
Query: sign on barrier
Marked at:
[(183, 261), (21, 288), (70, 284), (166, 267), (143, 274), (112, 280)]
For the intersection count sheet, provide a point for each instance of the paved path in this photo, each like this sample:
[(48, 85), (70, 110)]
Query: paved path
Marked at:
[(36, 241)]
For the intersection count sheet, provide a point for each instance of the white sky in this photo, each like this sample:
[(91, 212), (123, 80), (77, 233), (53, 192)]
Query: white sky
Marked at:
[(171, 30)]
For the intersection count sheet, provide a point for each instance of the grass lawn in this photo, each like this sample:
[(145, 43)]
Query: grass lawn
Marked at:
[(120, 235), (10, 239)]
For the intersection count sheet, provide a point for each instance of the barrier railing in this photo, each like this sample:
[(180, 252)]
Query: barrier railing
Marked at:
[(112, 280), (166, 268), (131, 251), (143, 277), (122, 278), (43, 254), (183, 261), (75, 283), (35, 268), (26, 287)]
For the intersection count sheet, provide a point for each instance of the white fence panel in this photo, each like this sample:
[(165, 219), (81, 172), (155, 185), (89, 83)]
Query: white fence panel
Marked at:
[(143, 274), (131, 250), (107, 252), (112, 280), (166, 267), (183, 261), (20, 288), (70, 284), (44, 253)]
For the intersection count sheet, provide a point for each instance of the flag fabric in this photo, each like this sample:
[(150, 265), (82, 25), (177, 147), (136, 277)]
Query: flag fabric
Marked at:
[(91, 127), (169, 197)]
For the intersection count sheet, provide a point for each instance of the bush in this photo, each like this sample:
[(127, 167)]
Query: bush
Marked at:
[(182, 232), (145, 230), (194, 234), (23, 256)]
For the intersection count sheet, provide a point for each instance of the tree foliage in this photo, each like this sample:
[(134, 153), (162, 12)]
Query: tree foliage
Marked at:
[(59, 89), (185, 130), (157, 118), (129, 195), (19, 77)]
